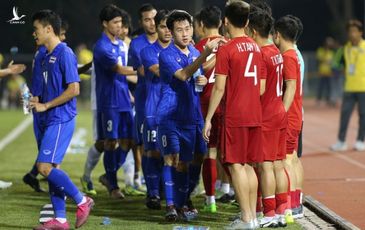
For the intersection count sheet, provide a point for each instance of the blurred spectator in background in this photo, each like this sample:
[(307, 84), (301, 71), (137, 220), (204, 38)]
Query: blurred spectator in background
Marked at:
[(13, 87), (338, 74), (325, 56), (354, 91), (84, 57)]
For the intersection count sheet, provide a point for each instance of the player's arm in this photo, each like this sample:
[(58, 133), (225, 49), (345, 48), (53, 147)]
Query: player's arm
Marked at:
[(188, 71), (124, 70), (155, 69), (209, 64), (73, 90), (12, 69), (132, 79), (262, 86), (215, 99), (290, 88), (84, 68)]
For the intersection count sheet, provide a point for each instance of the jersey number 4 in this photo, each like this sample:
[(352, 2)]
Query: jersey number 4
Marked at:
[(248, 72)]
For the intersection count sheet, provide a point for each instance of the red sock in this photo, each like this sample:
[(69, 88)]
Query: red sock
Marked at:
[(281, 203), (209, 176), (293, 199), (298, 192), (269, 206)]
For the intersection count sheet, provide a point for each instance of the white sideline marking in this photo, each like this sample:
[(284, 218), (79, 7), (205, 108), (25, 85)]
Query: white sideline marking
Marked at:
[(15, 132)]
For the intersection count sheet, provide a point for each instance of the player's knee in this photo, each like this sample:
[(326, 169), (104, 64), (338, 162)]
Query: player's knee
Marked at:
[(182, 166), (126, 144), (266, 166), (99, 145), (44, 168), (212, 153), (110, 145), (171, 160)]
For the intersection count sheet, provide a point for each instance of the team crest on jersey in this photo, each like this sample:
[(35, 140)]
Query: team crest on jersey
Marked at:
[(121, 48), (178, 59), (52, 59)]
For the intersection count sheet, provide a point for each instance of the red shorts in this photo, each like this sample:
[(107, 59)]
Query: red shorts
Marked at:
[(241, 145), (274, 144), (292, 137)]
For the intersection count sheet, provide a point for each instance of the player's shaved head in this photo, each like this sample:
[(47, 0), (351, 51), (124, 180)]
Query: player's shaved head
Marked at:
[(237, 12)]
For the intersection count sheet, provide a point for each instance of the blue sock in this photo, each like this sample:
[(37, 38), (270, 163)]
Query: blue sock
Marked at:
[(168, 177), (153, 175), (63, 183), (194, 175), (181, 188), (57, 200), (121, 156), (34, 170), (110, 166), (144, 170)]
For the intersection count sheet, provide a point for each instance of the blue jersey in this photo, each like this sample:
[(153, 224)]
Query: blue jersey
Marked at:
[(111, 88), (134, 59), (149, 57), (59, 69), (186, 108), (36, 86)]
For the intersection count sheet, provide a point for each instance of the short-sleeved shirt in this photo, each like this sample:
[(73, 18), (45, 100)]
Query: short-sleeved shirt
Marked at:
[(240, 60), (149, 57), (354, 67), (187, 111), (273, 111), (111, 87), (36, 86), (210, 75), (59, 70), (291, 71), (134, 59)]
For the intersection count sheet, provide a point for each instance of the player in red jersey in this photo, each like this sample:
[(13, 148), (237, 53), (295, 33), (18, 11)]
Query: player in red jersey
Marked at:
[(209, 20), (284, 38), (273, 181), (238, 73)]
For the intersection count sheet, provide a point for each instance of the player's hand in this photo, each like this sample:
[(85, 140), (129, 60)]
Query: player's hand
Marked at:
[(213, 44), (16, 69), (38, 107), (206, 130), (201, 80)]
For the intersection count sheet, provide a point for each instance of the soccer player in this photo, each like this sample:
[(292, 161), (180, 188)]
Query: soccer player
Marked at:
[(149, 58), (112, 96), (238, 73), (57, 103), (273, 181), (209, 20), (178, 113), (286, 30), (146, 16)]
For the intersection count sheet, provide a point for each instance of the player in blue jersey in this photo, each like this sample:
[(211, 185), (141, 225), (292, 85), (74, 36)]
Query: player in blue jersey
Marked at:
[(146, 16), (149, 58), (178, 114), (112, 96), (36, 88), (57, 103)]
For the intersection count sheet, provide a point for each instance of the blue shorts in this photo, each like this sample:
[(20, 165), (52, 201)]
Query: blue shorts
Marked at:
[(55, 141), (201, 146), (150, 134), (138, 128), (116, 124)]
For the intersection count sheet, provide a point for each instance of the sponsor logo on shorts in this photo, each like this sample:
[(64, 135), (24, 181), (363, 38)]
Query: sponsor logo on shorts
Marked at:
[(47, 152)]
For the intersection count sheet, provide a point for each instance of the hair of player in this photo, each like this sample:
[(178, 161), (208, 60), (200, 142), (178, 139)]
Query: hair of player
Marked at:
[(178, 16), (354, 23), (197, 18), (160, 16), (237, 12), (48, 17), (262, 5), (287, 27), (64, 25), (211, 17), (261, 21), (110, 12), (145, 8), (299, 26)]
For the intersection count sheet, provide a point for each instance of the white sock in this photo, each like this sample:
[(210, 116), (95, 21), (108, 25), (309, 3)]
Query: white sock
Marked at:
[(61, 220), (92, 160), (83, 201), (225, 188), (231, 191), (210, 200)]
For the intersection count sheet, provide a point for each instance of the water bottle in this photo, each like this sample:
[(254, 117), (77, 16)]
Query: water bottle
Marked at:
[(198, 88), (25, 93), (106, 221)]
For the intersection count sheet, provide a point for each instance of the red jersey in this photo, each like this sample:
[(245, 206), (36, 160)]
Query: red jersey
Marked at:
[(210, 75), (291, 71), (273, 111), (241, 61)]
